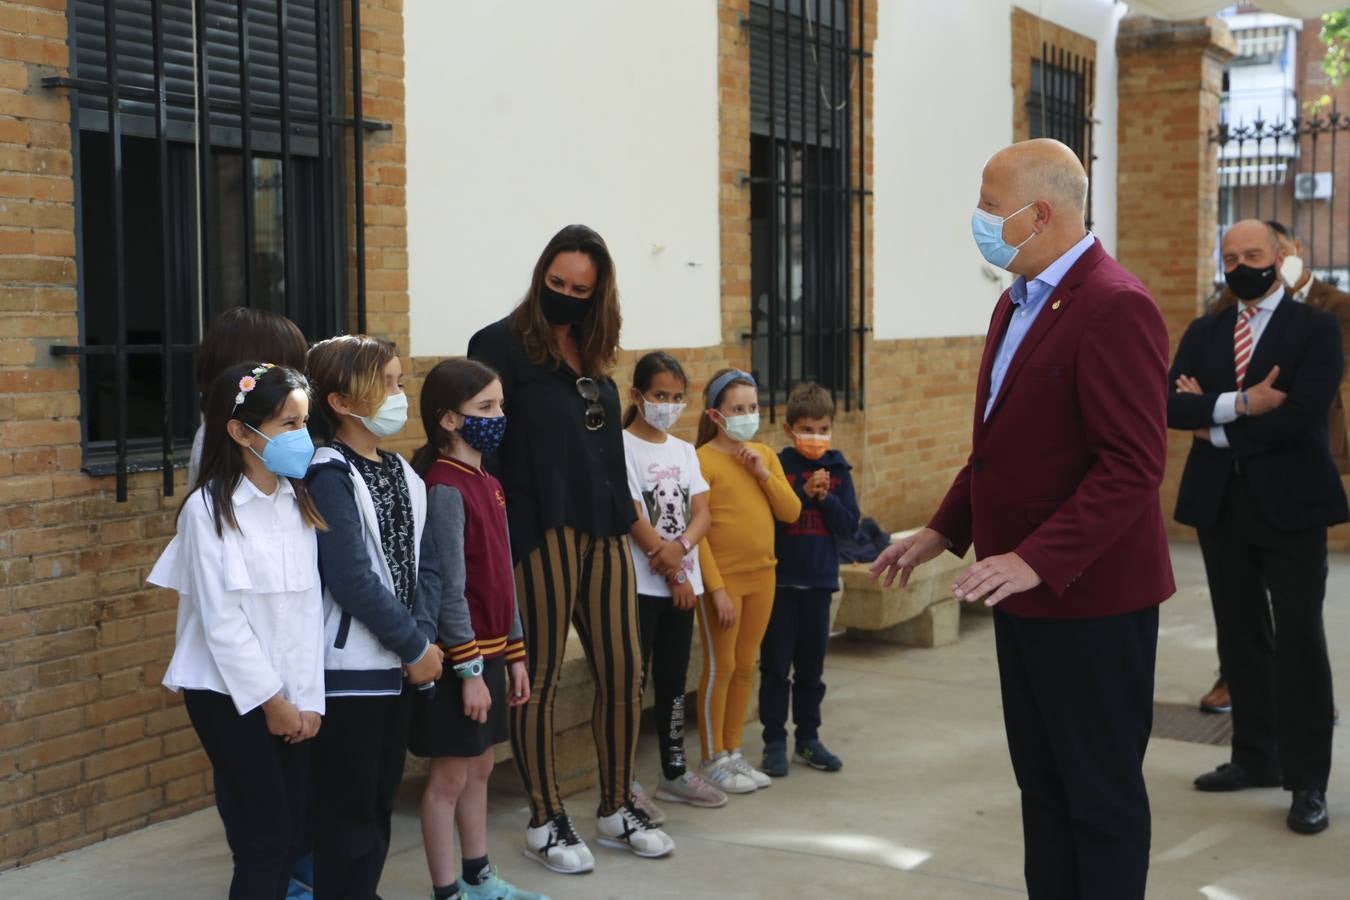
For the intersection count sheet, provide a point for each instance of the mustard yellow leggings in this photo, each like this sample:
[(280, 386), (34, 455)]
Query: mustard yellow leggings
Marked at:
[(729, 658)]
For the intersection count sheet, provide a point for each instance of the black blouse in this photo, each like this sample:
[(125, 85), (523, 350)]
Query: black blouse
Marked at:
[(554, 471)]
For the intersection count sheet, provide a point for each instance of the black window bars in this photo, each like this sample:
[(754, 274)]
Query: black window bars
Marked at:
[(808, 188), (1292, 172), (258, 76), (1059, 104)]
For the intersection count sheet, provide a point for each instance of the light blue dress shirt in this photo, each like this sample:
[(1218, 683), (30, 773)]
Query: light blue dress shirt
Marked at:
[(1028, 298)]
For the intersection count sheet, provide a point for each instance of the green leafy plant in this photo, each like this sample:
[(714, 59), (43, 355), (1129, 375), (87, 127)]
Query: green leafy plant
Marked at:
[(1335, 37)]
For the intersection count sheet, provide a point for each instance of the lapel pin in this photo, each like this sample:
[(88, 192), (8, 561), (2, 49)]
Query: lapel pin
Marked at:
[(1056, 304)]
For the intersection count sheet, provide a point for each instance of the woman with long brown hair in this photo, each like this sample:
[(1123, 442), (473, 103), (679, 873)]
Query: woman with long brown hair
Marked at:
[(562, 468)]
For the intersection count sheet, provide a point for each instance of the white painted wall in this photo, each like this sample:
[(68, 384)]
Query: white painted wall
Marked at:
[(525, 116), (943, 106)]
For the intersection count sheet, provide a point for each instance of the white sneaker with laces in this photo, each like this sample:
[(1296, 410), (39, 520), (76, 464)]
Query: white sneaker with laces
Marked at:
[(644, 803), (630, 829), (719, 773), (555, 845), (742, 765)]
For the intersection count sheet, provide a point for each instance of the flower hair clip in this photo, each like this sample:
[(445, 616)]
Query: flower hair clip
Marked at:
[(248, 383)]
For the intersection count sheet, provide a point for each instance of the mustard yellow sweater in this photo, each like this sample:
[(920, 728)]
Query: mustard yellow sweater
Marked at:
[(743, 509)]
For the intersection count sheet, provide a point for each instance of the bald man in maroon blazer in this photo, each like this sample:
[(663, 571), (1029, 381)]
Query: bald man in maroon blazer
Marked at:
[(1060, 499)]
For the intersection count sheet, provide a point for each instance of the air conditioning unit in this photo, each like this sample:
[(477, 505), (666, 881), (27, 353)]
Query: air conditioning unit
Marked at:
[(1312, 186)]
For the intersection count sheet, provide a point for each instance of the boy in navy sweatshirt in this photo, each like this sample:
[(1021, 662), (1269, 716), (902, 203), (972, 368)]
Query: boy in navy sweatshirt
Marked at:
[(808, 575)]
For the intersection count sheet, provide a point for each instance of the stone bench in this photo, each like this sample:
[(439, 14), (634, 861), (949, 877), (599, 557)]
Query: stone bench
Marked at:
[(922, 614)]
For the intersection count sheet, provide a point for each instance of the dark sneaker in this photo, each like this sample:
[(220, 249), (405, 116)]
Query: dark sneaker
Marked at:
[(818, 756), (775, 763)]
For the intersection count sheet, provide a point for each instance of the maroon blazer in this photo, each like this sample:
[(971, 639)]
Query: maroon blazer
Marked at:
[(1066, 470)]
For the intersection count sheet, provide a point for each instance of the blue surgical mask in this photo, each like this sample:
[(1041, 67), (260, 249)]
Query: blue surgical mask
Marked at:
[(741, 428), (390, 417), (286, 454), (483, 433), (988, 231)]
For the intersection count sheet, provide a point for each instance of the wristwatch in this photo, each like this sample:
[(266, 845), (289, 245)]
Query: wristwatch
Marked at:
[(684, 542), (681, 577), (471, 669)]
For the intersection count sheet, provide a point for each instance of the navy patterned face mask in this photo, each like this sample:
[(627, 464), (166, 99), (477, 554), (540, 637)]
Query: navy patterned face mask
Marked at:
[(483, 433)]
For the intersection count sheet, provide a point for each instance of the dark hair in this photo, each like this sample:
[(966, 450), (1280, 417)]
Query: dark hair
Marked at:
[(809, 400), (223, 459), (707, 428), (598, 332), (1280, 229), (645, 372), (351, 366), (447, 387), (242, 334)]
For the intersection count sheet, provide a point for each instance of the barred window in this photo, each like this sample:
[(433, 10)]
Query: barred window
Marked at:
[(210, 173), (807, 165), (1059, 103)]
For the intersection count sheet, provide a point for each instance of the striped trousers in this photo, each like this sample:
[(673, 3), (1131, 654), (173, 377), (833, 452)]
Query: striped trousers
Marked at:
[(574, 578)]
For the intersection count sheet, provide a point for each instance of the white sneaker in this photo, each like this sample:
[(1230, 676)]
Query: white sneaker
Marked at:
[(692, 789), (630, 829), (556, 846), (644, 803), (719, 773), (741, 765)]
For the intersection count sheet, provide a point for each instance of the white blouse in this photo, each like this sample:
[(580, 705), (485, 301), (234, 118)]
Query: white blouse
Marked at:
[(250, 604)]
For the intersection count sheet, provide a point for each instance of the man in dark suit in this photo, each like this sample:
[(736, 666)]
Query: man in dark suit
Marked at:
[(1304, 288), (1255, 382), (1060, 498)]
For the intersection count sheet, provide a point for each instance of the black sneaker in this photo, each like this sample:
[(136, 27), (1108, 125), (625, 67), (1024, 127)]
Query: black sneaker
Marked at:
[(818, 756), (775, 763)]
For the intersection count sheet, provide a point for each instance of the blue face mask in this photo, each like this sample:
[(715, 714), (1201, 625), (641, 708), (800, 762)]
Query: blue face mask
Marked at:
[(483, 433), (988, 231), (287, 454)]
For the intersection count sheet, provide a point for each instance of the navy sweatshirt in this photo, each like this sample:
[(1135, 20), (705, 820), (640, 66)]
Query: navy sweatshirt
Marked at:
[(807, 555)]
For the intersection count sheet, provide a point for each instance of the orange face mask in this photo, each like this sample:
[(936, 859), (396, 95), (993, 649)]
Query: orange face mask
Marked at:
[(811, 446)]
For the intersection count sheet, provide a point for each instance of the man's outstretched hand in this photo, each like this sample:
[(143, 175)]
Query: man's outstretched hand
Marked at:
[(901, 557), (994, 579)]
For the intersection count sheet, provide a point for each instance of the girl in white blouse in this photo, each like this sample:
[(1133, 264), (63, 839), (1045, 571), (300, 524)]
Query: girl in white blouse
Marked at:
[(249, 650)]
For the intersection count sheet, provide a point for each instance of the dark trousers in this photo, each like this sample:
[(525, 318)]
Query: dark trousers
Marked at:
[(666, 633), (792, 661), (358, 764), (261, 782), (1280, 680), (1078, 708)]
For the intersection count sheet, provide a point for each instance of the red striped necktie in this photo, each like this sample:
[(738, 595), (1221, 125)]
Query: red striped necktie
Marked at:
[(1242, 343)]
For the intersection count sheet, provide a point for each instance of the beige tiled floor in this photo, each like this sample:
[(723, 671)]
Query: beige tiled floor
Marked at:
[(926, 807)]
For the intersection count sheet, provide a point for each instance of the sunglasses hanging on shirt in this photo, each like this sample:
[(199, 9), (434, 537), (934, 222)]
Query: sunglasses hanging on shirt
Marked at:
[(595, 412)]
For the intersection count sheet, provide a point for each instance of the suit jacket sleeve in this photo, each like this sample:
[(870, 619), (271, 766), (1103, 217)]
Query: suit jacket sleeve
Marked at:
[(1122, 400), (1310, 390), (952, 520), (1188, 412)]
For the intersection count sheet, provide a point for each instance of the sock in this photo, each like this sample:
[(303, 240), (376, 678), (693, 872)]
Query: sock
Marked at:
[(474, 869), (445, 892)]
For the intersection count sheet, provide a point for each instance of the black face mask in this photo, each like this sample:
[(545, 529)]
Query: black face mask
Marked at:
[(560, 309), (1248, 283)]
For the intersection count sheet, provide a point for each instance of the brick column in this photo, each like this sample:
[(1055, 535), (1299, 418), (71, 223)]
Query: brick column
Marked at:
[(1171, 75)]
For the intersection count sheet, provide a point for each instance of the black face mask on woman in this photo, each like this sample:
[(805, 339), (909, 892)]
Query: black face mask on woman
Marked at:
[(560, 309), (1248, 283)]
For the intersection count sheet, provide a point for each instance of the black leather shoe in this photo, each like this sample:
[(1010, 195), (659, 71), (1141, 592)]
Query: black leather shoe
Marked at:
[(1308, 813), (1233, 777)]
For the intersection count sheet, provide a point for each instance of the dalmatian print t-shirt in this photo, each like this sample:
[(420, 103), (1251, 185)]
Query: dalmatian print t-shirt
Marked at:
[(663, 480)]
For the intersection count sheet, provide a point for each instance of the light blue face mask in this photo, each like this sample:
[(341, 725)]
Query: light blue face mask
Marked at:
[(988, 231), (287, 454)]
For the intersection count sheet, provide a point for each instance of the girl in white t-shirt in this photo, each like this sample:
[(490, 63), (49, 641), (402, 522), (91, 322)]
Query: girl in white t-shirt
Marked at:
[(248, 654), (672, 503)]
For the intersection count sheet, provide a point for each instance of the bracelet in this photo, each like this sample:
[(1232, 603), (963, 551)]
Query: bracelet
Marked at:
[(684, 542)]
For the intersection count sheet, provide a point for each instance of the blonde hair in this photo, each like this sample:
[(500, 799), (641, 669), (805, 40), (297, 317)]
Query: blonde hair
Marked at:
[(351, 366)]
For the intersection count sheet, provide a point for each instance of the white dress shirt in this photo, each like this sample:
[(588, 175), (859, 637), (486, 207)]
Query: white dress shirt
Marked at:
[(250, 605), (1225, 408)]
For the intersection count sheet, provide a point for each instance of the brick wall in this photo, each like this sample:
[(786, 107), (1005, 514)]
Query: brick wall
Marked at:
[(90, 745)]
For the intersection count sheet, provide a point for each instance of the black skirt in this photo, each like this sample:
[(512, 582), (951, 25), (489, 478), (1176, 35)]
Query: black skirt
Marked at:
[(439, 726)]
